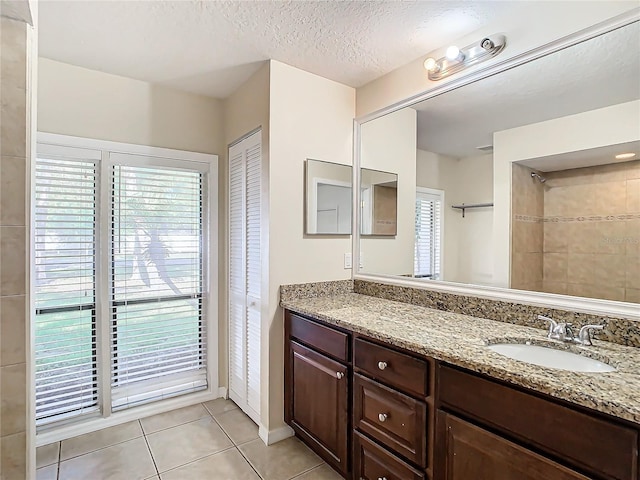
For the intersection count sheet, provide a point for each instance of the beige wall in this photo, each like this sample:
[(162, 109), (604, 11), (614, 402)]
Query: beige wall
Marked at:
[(244, 111), (592, 232), (389, 144), (310, 117), (596, 128), (556, 20), (15, 137), (87, 103), (527, 230), (467, 251)]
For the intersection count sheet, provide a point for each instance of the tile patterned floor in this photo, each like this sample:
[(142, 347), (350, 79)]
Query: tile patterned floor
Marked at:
[(209, 441)]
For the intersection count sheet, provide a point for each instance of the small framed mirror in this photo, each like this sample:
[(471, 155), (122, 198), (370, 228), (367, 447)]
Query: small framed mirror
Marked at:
[(379, 202), (328, 198)]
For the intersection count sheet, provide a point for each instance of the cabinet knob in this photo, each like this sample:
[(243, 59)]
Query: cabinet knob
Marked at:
[(382, 417), (339, 375), (382, 365), (382, 478)]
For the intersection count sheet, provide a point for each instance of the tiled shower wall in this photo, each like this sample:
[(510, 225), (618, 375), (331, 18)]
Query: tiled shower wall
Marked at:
[(586, 231), (526, 230), (592, 232), (14, 151)]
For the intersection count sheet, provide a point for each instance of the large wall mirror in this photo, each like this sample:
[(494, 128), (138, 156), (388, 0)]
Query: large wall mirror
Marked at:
[(528, 179)]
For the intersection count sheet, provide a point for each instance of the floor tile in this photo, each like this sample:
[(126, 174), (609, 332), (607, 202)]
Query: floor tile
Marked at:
[(102, 438), (185, 443), (47, 473), (238, 426), (129, 460), (219, 405), (280, 461), (323, 472), (47, 454), (173, 418), (227, 465)]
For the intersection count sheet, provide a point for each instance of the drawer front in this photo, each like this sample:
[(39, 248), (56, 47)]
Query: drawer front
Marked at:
[(321, 338), (396, 420), (587, 442), (394, 368), (372, 462)]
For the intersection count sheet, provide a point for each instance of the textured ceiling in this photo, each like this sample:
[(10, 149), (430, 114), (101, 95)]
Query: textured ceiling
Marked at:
[(212, 47), (594, 74)]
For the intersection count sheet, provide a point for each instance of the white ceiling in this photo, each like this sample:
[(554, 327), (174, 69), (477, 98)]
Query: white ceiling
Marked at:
[(600, 72), (584, 158), (212, 47)]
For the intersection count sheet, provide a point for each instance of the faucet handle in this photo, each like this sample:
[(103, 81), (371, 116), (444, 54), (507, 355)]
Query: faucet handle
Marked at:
[(584, 335), (552, 323)]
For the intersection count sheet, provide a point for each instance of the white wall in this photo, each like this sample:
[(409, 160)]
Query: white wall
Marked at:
[(467, 248), (540, 23), (389, 144), (310, 117), (87, 103), (596, 128)]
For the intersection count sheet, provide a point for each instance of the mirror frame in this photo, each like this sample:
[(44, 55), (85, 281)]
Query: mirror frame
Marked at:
[(549, 300)]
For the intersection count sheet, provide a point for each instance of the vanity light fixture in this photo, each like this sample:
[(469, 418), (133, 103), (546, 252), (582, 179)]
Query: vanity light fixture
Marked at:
[(457, 59), (624, 156)]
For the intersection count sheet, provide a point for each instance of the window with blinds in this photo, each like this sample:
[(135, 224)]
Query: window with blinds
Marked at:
[(157, 324), (65, 287), (120, 280), (428, 234)]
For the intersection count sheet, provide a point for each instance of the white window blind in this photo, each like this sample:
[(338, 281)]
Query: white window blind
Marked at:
[(158, 333), (65, 286), (428, 231), (245, 273)]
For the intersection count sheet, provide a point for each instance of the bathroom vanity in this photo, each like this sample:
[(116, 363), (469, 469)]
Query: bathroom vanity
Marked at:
[(385, 390)]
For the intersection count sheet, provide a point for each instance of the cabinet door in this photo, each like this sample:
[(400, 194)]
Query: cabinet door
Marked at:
[(319, 403), (467, 451)]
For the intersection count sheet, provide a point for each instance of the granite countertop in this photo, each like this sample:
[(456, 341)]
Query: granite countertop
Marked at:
[(462, 340)]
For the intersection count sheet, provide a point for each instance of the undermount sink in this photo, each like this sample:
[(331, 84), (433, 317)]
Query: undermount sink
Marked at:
[(551, 357)]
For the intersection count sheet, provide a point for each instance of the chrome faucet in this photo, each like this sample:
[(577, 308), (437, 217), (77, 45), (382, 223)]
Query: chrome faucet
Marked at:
[(564, 331)]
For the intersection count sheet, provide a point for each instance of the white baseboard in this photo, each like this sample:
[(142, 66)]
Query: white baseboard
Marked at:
[(222, 393), (269, 437)]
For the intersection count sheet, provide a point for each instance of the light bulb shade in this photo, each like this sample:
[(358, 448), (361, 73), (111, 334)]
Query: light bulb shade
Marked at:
[(453, 53), (430, 64)]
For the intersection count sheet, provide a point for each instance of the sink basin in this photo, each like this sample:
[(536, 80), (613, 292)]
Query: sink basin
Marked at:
[(551, 357)]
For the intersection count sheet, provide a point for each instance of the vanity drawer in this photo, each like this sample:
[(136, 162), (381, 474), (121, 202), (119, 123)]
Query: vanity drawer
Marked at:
[(372, 462), (394, 368), (321, 338), (396, 420)]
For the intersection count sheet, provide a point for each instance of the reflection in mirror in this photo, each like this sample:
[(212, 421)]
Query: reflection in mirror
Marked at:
[(328, 198), (573, 227), (379, 201)]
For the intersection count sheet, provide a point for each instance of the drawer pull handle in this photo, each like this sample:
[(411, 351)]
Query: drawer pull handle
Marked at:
[(383, 417), (339, 375), (382, 478), (382, 365)]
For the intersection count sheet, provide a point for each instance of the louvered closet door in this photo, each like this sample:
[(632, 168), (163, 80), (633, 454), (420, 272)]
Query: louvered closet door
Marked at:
[(245, 273)]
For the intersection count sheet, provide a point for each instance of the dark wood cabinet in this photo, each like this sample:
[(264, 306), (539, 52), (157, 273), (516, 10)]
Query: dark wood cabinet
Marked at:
[(373, 411), (317, 398), (470, 452), (373, 462)]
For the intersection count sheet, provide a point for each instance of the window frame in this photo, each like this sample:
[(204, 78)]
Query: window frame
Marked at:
[(139, 155)]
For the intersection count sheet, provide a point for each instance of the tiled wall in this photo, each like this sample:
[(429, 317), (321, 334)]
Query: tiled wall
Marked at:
[(14, 150), (579, 232), (592, 232), (526, 230)]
